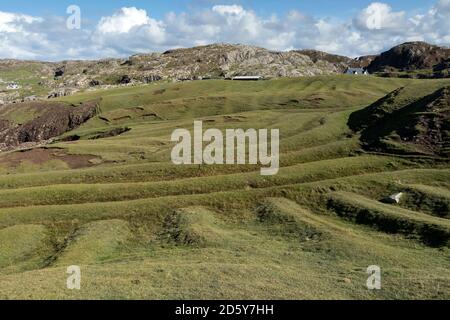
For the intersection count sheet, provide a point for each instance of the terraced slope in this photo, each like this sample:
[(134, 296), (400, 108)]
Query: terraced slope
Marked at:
[(142, 228)]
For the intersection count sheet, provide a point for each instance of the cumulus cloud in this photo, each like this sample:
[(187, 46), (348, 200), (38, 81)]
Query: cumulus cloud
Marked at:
[(17, 39), (379, 16), (11, 22), (128, 31), (229, 10), (132, 30), (124, 20)]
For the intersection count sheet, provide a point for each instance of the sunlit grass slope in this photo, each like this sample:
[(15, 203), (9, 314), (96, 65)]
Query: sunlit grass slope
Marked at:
[(141, 227)]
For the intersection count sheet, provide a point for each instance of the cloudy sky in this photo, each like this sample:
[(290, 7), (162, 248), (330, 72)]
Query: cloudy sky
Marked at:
[(49, 30)]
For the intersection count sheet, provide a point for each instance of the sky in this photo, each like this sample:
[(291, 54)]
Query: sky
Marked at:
[(47, 30)]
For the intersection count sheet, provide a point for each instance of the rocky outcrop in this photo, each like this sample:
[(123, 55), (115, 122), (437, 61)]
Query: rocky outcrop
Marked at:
[(125, 79), (442, 66), (59, 72), (224, 60), (401, 126), (51, 120), (341, 63), (62, 92), (409, 56), (216, 61), (363, 62)]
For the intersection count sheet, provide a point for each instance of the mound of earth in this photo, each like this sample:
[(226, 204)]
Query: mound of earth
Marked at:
[(421, 127), (26, 124), (409, 56)]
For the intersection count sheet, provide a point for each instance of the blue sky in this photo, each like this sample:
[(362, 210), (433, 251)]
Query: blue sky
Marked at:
[(96, 9), (117, 28)]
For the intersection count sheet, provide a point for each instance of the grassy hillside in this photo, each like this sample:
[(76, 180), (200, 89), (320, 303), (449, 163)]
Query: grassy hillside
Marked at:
[(409, 120), (105, 196)]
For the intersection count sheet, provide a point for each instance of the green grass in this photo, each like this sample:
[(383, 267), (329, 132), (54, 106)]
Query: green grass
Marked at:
[(28, 75), (22, 247), (20, 116), (410, 120), (143, 228), (95, 242), (431, 230), (429, 199)]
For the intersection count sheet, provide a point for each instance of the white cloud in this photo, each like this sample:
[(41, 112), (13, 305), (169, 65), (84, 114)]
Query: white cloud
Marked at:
[(229, 10), (125, 20), (132, 30), (128, 31), (443, 5), (11, 22), (378, 16), (15, 38)]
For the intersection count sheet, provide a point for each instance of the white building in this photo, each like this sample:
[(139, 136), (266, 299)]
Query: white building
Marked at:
[(247, 78), (357, 71), (12, 86)]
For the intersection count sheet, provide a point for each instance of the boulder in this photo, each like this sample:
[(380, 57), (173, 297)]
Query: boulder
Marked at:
[(393, 198)]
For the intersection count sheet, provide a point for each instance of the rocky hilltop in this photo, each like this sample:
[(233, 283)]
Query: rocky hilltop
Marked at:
[(212, 61), (46, 79), (410, 56), (341, 62), (31, 80), (230, 60)]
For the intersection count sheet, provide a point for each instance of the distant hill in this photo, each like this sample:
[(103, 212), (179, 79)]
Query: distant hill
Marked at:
[(46, 79), (225, 60), (41, 80), (409, 56), (341, 62)]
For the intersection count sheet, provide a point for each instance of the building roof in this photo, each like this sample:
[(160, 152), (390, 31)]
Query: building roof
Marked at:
[(13, 85), (355, 70), (247, 78)]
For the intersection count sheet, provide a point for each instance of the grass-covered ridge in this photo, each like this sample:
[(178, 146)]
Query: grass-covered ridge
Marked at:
[(111, 201), (404, 122)]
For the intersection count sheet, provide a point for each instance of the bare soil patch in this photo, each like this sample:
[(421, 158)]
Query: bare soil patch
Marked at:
[(43, 155)]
